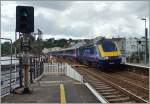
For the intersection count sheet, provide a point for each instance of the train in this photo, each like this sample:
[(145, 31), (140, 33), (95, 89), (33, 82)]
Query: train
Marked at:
[(103, 53)]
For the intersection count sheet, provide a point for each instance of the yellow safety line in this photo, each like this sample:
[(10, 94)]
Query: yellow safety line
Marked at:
[(62, 94)]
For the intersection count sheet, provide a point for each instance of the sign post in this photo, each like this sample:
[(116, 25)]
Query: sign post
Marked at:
[(25, 47)]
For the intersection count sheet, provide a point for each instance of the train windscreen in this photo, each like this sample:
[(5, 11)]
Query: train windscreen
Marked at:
[(109, 46)]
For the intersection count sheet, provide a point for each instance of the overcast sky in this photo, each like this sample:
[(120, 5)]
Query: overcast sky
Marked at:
[(80, 19)]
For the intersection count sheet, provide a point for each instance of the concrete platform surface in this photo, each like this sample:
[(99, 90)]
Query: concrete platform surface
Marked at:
[(54, 89)]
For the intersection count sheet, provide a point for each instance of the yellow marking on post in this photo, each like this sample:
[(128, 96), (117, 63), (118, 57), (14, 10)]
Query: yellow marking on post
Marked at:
[(104, 54), (62, 94)]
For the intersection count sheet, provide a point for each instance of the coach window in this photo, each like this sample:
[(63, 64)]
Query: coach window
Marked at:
[(92, 50)]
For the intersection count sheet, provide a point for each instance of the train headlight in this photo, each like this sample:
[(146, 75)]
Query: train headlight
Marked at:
[(106, 58), (120, 57)]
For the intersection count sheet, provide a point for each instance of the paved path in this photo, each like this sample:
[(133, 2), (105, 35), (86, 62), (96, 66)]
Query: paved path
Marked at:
[(54, 89)]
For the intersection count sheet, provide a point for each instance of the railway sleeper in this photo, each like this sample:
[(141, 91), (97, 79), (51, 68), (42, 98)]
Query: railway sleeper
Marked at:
[(109, 93), (108, 90), (93, 80), (131, 101), (119, 100), (103, 88), (113, 96), (98, 84), (102, 84)]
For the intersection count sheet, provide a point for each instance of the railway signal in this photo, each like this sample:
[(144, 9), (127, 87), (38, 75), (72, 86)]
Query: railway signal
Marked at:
[(24, 19), (25, 25)]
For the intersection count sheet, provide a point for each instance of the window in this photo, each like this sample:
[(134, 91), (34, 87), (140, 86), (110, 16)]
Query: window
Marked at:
[(109, 46)]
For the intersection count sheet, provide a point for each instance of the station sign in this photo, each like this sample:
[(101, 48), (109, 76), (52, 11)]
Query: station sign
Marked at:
[(25, 46)]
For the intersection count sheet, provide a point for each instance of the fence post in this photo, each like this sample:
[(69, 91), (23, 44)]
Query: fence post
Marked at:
[(34, 68), (47, 67), (15, 73), (31, 70), (57, 69), (43, 68), (20, 72)]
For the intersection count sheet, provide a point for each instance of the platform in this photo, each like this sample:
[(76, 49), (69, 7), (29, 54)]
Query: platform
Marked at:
[(138, 65), (54, 89)]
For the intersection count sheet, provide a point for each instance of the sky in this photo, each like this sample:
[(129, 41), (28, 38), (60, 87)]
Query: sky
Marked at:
[(80, 19)]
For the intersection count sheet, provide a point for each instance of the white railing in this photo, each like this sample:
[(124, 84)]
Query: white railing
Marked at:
[(61, 69), (73, 73), (54, 68)]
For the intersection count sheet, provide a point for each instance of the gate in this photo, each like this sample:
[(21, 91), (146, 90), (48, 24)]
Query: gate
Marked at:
[(54, 68), (57, 68)]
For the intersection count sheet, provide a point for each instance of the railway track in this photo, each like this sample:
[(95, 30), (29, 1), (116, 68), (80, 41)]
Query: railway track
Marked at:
[(125, 83), (117, 87), (137, 79), (111, 92), (135, 83)]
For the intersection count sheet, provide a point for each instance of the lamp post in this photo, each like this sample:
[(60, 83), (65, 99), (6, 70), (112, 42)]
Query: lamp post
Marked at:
[(146, 45)]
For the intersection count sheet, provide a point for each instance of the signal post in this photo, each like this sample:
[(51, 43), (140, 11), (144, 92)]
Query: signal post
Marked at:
[(25, 25)]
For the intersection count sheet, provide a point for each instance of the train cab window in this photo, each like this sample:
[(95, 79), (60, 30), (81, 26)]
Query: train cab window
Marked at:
[(109, 46)]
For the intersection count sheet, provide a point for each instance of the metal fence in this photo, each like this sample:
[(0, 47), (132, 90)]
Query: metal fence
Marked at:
[(12, 75), (36, 68), (57, 68), (135, 51), (9, 76)]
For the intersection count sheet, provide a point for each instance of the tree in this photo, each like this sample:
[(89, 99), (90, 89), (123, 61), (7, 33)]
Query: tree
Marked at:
[(6, 48)]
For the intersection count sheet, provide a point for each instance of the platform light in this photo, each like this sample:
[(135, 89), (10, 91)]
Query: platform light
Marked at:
[(146, 42)]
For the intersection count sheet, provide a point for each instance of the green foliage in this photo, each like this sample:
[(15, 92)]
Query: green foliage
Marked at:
[(36, 45), (49, 43), (6, 48)]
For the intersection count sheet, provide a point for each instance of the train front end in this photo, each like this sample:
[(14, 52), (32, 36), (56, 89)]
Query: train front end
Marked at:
[(109, 54)]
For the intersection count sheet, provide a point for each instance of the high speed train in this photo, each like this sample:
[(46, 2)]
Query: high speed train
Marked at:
[(103, 53)]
